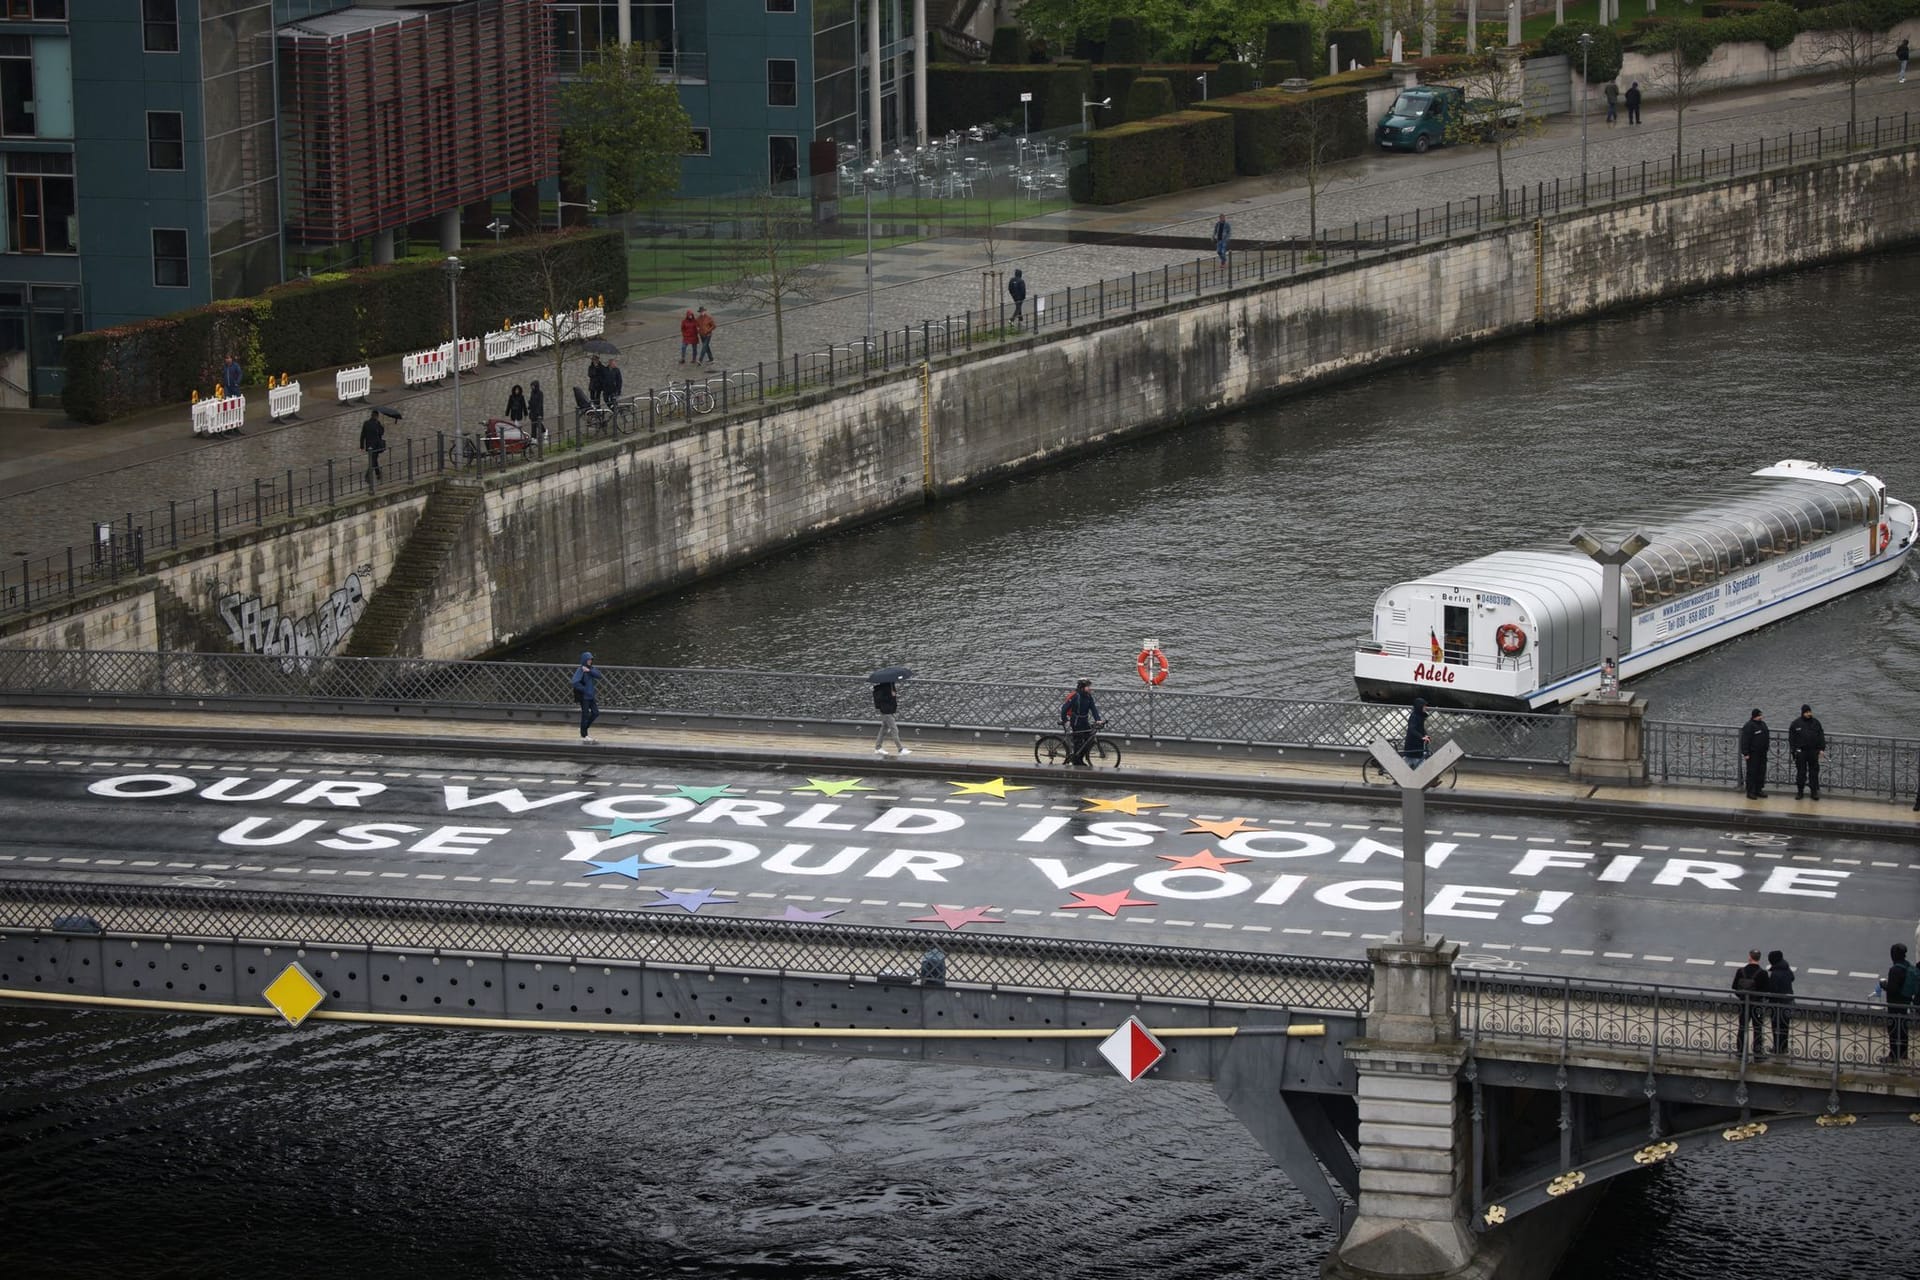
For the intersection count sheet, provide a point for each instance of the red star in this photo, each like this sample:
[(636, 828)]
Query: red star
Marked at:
[(959, 917), (1107, 902), (1205, 860), (1221, 829)]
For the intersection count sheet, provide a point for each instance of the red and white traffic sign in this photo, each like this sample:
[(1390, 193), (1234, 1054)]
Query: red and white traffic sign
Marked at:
[(1132, 1050)]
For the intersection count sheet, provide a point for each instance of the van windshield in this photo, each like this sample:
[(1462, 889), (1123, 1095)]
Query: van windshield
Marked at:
[(1409, 105)]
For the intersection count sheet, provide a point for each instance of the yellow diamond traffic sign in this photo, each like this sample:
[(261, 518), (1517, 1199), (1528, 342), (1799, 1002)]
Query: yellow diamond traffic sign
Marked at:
[(295, 994)]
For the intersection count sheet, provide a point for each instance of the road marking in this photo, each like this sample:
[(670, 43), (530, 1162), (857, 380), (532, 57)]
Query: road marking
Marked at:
[(1690, 849), (1886, 864), (334, 871), (500, 880), (1335, 933), (1846, 862), (1615, 844), (1584, 842), (468, 880), (1574, 951), (1259, 928), (1691, 960), (393, 875), (545, 884), (364, 875), (1326, 825), (143, 864), (1024, 911), (107, 862), (1617, 955), (1501, 837), (1290, 929), (82, 861), (1545, 951), (1498, 946), (1181, 924), (1655, 848), (1826, 973)]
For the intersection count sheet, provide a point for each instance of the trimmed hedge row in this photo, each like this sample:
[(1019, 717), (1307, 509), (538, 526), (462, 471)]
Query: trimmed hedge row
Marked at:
[(1230, 78), (1356, 45), (321, 324), (1293, 42), (1268, 135), (1147, 97), (1154, 157), (959, 96)]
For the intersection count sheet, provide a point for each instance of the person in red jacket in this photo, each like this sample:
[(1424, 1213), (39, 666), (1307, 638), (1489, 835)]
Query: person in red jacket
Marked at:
[(689, 337)]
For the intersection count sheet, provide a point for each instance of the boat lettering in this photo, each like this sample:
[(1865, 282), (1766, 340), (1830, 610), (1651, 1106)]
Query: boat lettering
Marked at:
[(1455, 597), (1692, 603), (1741, 584), (1433, 674)]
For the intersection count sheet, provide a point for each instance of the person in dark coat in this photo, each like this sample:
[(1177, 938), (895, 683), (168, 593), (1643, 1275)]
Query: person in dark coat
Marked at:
[(1017, 290), (230, 376), (537, 412), (886, 700), (1750, 985), (612, 382), (1414, 746), (1222, 238), (1899, 1012), (1081, 714), (516, 404), (1754, 736), (1900, 56), (586, 691), (1613, 102), (1633, 103), (1807, 744), (1780, 997), (596, 380), (373, 443)]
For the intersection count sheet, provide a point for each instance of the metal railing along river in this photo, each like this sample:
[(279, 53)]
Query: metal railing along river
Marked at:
[(412, 686), (1853, 764)]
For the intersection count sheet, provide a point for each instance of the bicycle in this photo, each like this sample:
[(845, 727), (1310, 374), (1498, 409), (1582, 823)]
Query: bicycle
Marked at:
[(589, 417), (1057, 749), (1373, 774), (677, 401)]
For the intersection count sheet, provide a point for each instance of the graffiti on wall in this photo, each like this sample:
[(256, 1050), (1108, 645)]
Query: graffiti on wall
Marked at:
[(257, 627)]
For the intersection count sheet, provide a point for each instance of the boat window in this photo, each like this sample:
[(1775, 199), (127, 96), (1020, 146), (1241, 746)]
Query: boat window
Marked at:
[(1454, 623)]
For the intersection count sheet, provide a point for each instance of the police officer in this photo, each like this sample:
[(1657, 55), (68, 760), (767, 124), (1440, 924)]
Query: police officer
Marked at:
[(1807, 743), (1753, 750)]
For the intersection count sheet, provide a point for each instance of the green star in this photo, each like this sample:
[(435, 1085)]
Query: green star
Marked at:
[(627, 826), (700, 795), (829, 787)]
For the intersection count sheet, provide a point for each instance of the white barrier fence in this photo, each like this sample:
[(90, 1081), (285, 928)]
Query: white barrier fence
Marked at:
[(217, 417), (522, 336), (424, 366), (353, 384), (283, 401), (469, 354), (500, 345)]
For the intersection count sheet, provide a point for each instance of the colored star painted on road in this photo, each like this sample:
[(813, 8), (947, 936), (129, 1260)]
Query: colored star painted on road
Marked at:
[(801, 913), (688, 900), (700, 795), (1125, 804), (1231, 827), (995, 787), (959, 917), (627, 826), (833, 787), (1107, 902), (1205, 860), (629, 866)]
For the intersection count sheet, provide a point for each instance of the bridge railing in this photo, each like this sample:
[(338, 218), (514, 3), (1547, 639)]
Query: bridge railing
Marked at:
[(1704, 754), (657, 938), (413, 685), (1570, 1015)]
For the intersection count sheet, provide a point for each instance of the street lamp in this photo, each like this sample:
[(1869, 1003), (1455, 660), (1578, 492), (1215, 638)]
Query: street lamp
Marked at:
[(1610, 556), (559, 219), (1086, 111), (871, 173), (497, 226), (1202, 79), (1413, 785), (453, 318), (1586, 44), (1025, 128)]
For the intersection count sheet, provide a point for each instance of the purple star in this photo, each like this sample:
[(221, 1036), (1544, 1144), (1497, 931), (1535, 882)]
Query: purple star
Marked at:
[(688, 900), (797, 913)]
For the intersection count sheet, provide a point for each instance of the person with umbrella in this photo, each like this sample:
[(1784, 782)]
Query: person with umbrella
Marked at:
[(886, 700), (373, 443)]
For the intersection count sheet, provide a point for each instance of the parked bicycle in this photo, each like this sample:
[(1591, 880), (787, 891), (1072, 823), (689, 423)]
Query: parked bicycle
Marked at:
[(683, 401), (596, 418), (1057, 748), (1374, 775)]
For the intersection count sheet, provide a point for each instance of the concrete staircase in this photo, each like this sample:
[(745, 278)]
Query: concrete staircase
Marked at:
[(395, 608)]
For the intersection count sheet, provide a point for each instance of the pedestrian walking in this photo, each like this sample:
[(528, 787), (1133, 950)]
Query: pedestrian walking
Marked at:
[(230, 373), (1750, 985), (586, 692), (1017, 290), (1080, 714), (1613, 102), (537, 412), (1633, 103), (373, 443), (689, 337), (1807, 744), (1414, 745), (1900, 56), (596, 380), (1222, 236), (1780, 997), (1754, 736), (516, 404), (886, 700), (612, 383), (1902, 987), (703, 325)]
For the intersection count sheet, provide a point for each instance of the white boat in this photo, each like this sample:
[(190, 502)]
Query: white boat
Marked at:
[(1521, 629)]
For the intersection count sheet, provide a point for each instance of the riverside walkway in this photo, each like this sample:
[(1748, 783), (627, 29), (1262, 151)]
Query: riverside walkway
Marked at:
[(56, 476)]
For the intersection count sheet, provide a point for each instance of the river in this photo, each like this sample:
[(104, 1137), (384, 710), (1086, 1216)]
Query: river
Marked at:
[(1252, 547)]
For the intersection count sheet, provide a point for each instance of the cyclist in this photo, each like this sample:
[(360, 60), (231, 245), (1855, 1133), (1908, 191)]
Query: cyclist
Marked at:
[(1414, 748), (1080, 713)]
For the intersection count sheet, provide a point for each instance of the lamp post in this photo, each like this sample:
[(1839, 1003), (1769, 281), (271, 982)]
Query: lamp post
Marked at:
[(1202, 79), (1586, 44), (1610, 556), (497, 226), (1025, 126), (1413, 785), (559, 219), (453, 319), (1086, 111), (871, 172)]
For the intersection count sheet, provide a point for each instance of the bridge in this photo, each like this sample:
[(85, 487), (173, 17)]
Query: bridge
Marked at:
[(1446, 1117)]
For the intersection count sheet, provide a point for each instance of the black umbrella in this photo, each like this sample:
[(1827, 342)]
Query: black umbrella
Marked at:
[(387, 411), (600, 346), (888, 675)]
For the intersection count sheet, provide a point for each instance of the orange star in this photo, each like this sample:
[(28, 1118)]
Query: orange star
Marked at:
[(1221, 829), (1125, 804), (1205, 860), (1107, 902)]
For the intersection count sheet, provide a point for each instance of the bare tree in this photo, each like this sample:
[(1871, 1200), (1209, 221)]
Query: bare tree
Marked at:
[(1311, 142), (1679, 73), (1497, 110), (773, 261), (554, 277), (1853, 52)]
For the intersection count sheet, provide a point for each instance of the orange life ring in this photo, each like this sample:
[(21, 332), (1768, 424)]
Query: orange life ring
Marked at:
[(1511, 640), (1886, 535), (1152, 666)]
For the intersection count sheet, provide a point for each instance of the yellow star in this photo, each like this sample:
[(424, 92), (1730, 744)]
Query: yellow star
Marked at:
[(1221, 829), (997, 787), (1205, 860), (1125, 804), (829, 787)]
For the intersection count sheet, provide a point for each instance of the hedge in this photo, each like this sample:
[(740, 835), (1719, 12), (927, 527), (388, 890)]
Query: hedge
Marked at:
[(1268, 139), (1276, 72), (1009, 47), (1125, 43), (1293, 42), (311, 325), (961, 96), (1147, 97), (1115, 82), (1230, 78), (1154, 157), (1356, 45), (1602, 58)]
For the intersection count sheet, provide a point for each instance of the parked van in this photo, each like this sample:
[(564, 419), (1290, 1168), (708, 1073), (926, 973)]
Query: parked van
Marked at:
[(1424, 117)]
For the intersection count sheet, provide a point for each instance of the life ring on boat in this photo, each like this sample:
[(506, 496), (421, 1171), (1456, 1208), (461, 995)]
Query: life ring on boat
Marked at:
[(1152, 666), (1886, 536), (1511, 640)]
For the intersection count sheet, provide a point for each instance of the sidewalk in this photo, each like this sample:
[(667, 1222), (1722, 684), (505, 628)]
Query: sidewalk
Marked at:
[(935, 754), (56, 476)]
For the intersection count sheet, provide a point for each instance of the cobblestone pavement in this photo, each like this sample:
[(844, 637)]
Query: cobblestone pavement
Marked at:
[(55, 478)]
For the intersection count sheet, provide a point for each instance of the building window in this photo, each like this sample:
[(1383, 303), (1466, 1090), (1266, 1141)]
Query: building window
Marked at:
[(779, 6), (700, 142), (161, 25), (783, 159), (169, 258), (40, 204), (36, 10), (783, 82), (16, 86), (165, 146)]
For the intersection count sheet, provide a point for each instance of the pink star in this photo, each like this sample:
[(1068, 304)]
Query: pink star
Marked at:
[(1107, 902), (959, 917)]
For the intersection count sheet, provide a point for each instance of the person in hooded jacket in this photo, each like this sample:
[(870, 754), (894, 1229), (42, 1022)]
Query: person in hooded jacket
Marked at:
[(1780, 997), (1017, 290), (1899, 1011), (1414, 746), (1749, 987), (516, 404), (537, 413), (596, 380), (689, 338), (586, 691)]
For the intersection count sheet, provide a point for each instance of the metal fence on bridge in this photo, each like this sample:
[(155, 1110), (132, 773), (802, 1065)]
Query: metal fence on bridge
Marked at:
[(762, 698), (1709, 755)]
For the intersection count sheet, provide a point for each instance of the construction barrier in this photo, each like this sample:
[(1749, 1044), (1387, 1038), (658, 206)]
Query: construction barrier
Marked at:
[(424, 366), (353, 384), (526, 337), (217, 417), (590, 323), (501, 346), (283, 401), (469, 354)]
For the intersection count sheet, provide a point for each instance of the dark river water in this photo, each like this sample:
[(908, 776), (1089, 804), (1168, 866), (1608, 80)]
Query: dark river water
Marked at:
[(1252, 548)]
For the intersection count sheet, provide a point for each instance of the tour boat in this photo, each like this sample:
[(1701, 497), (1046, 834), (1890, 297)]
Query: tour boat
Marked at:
[(1520, 629)]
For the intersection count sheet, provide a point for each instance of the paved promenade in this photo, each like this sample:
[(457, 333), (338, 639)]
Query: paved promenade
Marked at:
[(56, 477)]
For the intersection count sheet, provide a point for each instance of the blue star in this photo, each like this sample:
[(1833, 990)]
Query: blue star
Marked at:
[(627, 826), (629, 866), (800, 913), (688, 900)]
